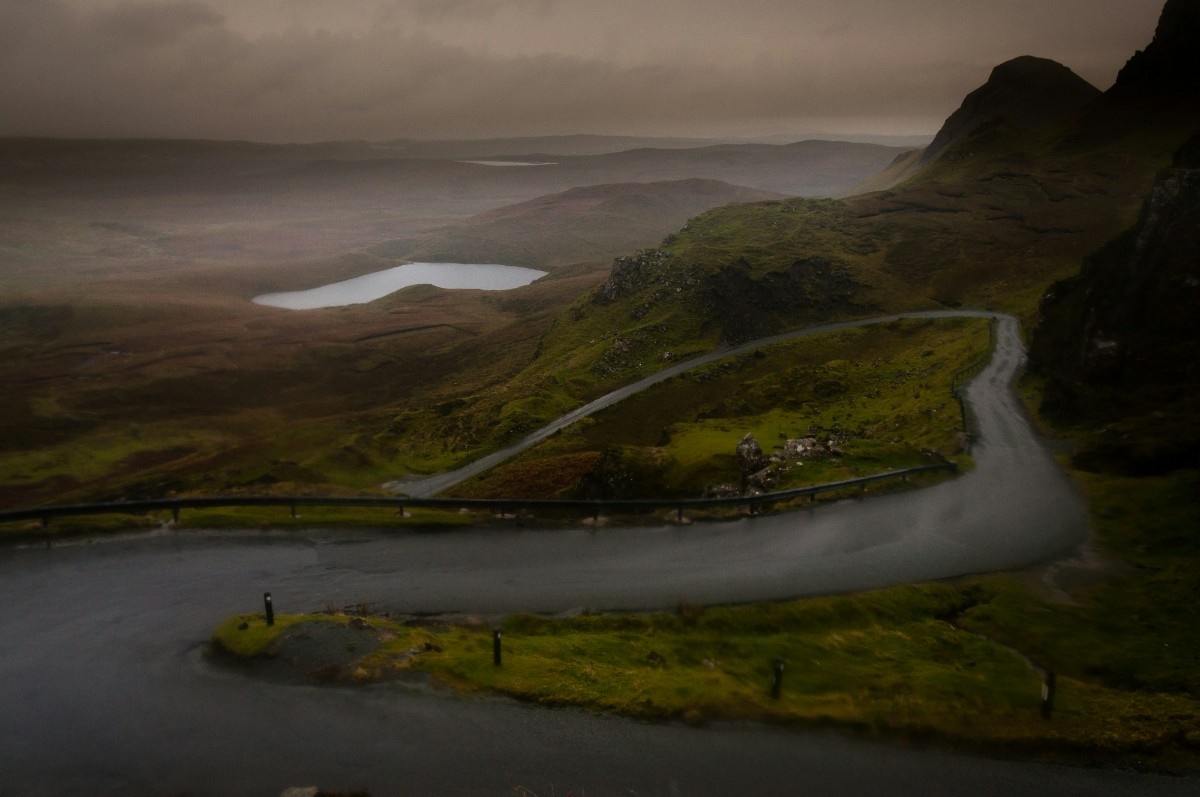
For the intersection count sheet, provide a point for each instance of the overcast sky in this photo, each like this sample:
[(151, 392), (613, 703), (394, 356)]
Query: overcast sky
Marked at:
[(304, 70)]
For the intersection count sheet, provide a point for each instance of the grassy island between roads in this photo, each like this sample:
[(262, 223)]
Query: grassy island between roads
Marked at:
[(957, 663)]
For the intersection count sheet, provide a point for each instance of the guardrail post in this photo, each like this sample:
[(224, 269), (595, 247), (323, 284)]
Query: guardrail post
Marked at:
[(1049, 685), (268, 608), (679, 514), (496, 647)]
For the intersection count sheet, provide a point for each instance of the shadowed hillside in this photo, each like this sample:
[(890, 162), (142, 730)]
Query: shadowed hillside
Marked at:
[(1118, 345)]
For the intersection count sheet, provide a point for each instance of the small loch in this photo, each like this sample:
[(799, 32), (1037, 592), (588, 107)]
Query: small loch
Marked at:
[(369, 287)]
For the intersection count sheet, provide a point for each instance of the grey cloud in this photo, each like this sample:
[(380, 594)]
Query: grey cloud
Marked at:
[(146, 23), (449, 9), (179, 69)]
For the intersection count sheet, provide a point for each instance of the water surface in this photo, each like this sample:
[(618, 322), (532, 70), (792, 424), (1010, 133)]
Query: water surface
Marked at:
[(369, 287), (511, 163)]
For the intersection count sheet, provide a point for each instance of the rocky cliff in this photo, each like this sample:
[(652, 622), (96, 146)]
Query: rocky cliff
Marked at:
[(1118, 344), (1171, 63)]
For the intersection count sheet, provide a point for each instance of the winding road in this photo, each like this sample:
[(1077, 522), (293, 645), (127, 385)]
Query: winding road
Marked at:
[(432, 485), (105, 690)]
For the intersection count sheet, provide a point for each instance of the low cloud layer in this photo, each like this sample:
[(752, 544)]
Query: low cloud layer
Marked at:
[(282, 70)]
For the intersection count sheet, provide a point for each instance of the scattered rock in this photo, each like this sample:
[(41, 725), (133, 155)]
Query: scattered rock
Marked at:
[(764, 479)]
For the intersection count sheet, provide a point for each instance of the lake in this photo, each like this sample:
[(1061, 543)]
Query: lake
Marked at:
[(510, 163), (369, 287)]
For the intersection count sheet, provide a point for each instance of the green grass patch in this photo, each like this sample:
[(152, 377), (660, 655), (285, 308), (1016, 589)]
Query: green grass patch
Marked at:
[(247, 636), (904, 662), (890, 663), (882, 392)]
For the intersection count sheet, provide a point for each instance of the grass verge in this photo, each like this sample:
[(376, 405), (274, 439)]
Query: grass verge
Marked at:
[(901, 663)]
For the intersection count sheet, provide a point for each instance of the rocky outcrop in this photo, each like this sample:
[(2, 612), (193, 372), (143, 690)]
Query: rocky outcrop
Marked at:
[(747, 307), (750, 457), (631, 274), (1121, 340), (761, 473)]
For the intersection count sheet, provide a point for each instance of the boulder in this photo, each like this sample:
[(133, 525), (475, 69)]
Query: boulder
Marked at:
[(749, 456)]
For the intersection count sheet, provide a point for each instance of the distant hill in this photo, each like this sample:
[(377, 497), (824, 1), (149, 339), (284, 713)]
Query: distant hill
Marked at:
[(180, 202), (576, 145), (592, 224), (803, 168)]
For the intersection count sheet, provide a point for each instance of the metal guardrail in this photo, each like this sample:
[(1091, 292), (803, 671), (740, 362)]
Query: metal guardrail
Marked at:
[(176, 505)]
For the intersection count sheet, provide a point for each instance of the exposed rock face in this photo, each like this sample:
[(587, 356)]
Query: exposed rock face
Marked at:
[(630, 274), (750, 457), (1171, 63), (1122, 339), (1027, 92), (749, 308), (811, 449)]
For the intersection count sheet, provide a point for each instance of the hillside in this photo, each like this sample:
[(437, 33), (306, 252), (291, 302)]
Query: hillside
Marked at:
[(590, 224)]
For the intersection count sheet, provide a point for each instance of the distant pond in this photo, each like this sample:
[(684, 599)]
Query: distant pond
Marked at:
[(369, 287)]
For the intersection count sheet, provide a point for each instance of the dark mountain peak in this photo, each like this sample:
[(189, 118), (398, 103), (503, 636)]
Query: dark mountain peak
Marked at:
[(1027, 92), (1030, 70), (1171, 63)]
